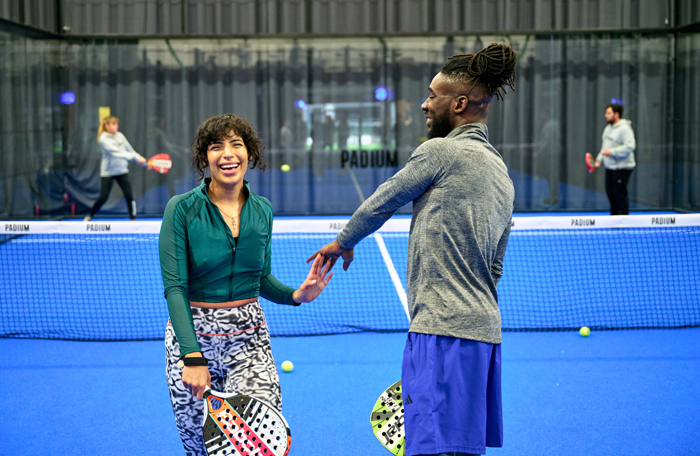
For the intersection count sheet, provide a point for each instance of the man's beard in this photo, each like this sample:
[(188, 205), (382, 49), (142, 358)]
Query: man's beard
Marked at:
[(440, 126)]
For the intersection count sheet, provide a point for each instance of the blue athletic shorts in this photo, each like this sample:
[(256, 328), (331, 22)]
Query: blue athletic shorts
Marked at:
[(452, 395)]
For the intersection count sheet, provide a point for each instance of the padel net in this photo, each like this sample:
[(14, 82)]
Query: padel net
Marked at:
[(101, 280)]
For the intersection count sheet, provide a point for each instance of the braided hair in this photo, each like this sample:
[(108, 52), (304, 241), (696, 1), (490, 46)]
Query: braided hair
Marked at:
[(493, 67)]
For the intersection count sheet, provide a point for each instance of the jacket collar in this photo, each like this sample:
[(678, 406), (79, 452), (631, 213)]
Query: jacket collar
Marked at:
[(204, 188), (478, 129)]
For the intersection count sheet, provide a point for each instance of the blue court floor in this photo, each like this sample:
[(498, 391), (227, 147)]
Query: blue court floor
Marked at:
[(632, 392)]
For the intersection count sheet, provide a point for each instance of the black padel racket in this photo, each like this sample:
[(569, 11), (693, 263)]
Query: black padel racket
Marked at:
[(387, 419), (243, 426)]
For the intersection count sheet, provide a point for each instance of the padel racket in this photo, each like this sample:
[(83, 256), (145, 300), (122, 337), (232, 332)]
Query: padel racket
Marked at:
[(387, 420), (243, 426), (589, 163), (161, 163)]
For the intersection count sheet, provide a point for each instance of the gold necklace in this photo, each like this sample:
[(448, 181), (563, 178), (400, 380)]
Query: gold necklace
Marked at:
[(233, 219)]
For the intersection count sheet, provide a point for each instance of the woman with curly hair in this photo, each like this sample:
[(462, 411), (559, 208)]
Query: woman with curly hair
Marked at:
[(215, 255)]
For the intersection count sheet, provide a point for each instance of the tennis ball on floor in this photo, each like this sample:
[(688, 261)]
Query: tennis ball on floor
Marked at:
[(285, 168), (287, 366), (585, 331)]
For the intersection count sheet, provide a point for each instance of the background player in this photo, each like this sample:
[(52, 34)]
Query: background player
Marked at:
[(116, 155), (617, 154)]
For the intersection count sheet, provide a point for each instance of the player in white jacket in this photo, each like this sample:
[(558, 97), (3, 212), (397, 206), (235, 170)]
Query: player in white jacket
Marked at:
[(116, 155), (617, 154)]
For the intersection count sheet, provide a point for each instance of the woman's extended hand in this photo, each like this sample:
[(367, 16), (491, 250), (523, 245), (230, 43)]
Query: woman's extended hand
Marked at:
[(316, 281)]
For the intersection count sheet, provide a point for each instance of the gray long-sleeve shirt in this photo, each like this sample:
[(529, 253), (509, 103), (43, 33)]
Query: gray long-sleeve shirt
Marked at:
[(462, 211), (619, 138)]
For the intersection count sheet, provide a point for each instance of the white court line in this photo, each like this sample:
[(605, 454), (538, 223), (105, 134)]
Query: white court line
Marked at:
[(392, 273), (357, 186), (385, 255)]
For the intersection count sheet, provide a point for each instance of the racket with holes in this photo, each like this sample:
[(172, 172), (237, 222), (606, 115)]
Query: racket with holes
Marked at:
[(161, 163), (387, 419), (243, 425)]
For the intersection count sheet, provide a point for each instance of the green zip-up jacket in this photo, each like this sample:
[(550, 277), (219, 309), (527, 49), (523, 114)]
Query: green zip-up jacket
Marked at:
[(201, 261)]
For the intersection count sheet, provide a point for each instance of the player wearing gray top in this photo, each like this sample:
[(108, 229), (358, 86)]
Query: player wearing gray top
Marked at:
[(462, 205), (116, 155), (617, 154), (462, 211)]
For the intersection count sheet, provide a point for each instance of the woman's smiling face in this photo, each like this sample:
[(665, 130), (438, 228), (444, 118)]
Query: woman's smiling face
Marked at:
[(228, 160)]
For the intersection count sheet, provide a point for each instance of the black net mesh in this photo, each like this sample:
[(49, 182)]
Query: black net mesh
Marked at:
[(108, 286)]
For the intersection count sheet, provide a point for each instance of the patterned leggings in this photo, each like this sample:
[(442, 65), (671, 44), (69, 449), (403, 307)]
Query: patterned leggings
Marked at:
[(236, 342)]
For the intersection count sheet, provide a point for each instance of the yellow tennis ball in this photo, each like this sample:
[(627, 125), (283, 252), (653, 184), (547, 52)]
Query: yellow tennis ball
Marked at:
[(585, 331), (285, 168), (287, 366)]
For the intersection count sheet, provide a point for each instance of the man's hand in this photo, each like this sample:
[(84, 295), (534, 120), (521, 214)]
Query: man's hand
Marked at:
[(333, 251)]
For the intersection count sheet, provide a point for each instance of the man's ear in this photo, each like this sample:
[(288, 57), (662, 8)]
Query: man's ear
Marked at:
[(461, 103)]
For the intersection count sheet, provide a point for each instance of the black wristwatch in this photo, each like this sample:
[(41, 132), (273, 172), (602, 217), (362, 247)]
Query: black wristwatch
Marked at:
[(192, 361)]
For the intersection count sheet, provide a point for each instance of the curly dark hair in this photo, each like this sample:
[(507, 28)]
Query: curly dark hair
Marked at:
[(493, 67), (216, 128)]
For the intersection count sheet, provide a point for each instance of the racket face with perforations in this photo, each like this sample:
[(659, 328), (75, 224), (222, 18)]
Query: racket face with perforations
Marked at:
[(242, 425), (161, 163), (387, 419)]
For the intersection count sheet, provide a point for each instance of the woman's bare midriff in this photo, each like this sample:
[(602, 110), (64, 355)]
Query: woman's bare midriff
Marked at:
[(222, 305)]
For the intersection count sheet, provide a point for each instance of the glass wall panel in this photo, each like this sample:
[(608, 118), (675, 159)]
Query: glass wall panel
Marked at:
[(686, 121), (31, 148), (344, 114)]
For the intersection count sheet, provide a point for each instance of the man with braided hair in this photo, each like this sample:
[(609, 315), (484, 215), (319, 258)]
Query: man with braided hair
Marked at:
[(462, 210)]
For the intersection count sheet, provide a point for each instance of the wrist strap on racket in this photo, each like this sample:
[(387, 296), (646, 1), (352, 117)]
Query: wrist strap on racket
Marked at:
[(192, 361)]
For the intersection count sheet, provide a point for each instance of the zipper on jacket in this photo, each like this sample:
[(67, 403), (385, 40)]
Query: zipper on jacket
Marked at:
[(233, 263)]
